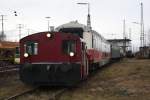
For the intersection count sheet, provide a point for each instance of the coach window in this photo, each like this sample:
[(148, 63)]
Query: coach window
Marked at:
[(31, 48), (68, 46)]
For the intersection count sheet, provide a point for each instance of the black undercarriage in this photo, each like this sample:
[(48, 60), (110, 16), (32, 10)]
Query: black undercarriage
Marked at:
[(50, 74)]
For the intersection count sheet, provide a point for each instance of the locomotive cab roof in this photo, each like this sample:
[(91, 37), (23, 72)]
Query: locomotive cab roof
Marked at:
[(76, 27)]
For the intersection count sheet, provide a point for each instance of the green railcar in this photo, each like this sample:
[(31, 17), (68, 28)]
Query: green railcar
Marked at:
[(9, 56), (6, 56), (17, 55)]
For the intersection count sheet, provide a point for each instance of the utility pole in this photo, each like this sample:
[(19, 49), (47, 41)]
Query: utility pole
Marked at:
[(48, 22), (28, 31), (124, 37), (142, 38), (113, 36), (130, 31), (124, 29), (88, 21), (20, 26), (2, 35), (149, 38), (88, 16)]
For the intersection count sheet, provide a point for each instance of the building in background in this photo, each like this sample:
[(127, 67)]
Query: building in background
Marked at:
[(124, 44)]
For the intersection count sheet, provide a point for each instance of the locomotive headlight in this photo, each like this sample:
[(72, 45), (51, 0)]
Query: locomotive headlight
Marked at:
[(26, 55), (48, 35), (71, 54)]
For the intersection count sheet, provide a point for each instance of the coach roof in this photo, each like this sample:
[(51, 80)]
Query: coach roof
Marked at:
[(72, 24)]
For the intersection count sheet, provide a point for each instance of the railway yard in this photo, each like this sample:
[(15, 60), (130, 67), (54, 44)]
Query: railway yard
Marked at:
[(68, 59), (128, 79)]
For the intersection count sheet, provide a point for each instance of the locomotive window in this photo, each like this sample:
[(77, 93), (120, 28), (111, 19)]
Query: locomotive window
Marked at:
[(31, 48), (35, 48), (68, 46), (25, 46)]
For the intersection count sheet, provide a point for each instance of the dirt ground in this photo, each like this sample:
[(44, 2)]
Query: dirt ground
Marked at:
[(128, 79), (11, 85)]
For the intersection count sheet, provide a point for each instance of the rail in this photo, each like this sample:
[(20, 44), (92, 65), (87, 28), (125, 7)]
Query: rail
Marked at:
[(54, 95), (14, 97)]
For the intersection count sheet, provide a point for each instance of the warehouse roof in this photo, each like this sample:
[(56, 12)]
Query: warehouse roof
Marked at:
[(8, 44)]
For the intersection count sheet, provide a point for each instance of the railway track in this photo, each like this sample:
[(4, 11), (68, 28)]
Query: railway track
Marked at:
[(57, 94), (9, 68), (14, 97), (52, 94)]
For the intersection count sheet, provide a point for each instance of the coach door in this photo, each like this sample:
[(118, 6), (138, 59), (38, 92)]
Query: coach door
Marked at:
[(84, 61)]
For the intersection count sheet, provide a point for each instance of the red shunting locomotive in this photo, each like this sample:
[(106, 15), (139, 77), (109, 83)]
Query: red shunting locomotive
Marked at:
[(53, 58)]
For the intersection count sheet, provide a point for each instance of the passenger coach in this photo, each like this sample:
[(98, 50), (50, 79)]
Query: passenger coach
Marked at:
[(98, 48)]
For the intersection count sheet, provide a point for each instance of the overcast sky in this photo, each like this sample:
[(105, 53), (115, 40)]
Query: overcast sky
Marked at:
[(106, 15)]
